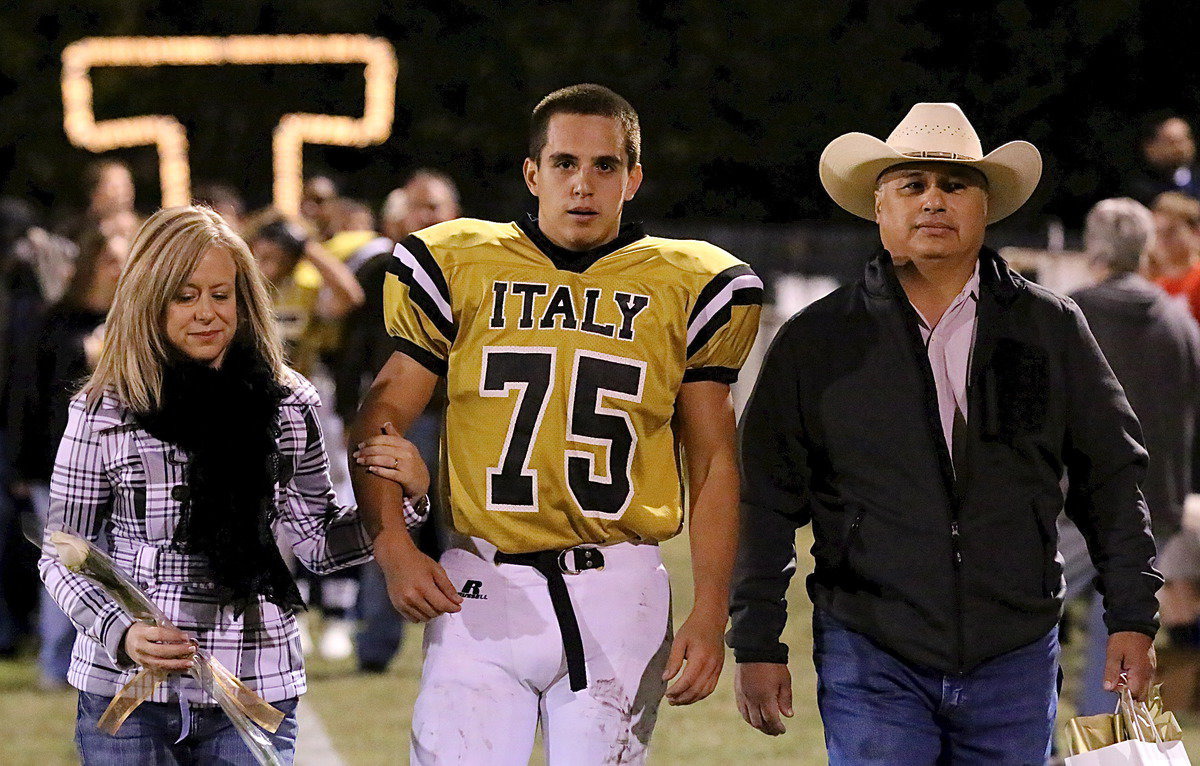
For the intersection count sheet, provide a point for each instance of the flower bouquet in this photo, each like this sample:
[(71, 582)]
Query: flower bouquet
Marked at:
[(243, 706)]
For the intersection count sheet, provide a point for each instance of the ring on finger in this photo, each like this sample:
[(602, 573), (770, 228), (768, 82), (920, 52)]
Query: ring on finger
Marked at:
[(395, 463)]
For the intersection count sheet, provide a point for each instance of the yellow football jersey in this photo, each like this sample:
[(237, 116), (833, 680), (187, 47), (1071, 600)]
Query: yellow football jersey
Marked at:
[(562, 371)]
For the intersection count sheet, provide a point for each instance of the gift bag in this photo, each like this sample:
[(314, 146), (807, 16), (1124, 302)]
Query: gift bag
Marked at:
[(1138, 734), (1134, 753)]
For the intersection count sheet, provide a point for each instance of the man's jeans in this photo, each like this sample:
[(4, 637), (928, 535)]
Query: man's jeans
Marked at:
[(878, 709), (148, 736)]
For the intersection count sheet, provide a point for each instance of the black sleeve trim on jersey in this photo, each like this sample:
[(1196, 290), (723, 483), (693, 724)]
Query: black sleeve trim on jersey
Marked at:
[(726, 375), (421, 356), (717, 284), (735, 286), (415, 266)]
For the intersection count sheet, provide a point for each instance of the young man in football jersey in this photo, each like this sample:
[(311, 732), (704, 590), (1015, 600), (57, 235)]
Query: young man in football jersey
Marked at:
[(579, 355)]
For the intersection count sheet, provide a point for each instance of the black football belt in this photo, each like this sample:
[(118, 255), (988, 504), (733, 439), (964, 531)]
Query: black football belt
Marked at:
[(554, 564)]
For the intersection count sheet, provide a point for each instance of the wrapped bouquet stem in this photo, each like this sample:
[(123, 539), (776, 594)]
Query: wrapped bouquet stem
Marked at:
[(245, 708)]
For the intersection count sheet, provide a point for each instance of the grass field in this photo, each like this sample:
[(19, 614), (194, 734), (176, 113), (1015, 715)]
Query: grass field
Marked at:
[(367, 717)]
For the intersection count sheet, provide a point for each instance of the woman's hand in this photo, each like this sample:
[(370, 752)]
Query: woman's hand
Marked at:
[(391, 456), (159, 648)]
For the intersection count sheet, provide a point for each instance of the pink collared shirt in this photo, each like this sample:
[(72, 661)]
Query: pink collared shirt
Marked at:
[(949, 344)]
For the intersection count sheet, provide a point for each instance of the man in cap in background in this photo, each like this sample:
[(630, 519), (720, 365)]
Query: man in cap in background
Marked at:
[(922, 419)]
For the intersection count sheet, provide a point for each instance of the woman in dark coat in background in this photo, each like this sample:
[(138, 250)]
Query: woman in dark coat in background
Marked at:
[(50, 366)]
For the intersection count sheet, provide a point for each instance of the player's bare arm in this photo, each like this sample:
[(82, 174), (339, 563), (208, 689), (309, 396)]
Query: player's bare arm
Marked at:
[(418, 586), (706, 425)]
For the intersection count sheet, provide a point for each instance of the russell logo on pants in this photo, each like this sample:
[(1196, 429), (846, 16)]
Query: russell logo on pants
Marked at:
[(471, 588)]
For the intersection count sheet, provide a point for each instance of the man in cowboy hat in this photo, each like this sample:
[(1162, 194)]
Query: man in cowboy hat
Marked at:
[(923, 419)]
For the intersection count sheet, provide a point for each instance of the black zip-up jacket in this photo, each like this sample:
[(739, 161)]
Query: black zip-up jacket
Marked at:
[(944, 570)]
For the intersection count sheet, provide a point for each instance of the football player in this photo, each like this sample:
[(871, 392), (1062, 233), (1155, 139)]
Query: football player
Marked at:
[(580, 355)]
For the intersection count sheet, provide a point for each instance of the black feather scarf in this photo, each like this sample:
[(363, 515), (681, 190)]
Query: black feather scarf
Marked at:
[(227, 420)]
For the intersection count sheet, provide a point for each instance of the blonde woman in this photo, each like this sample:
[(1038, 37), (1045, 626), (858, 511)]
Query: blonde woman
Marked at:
[(189, 449)]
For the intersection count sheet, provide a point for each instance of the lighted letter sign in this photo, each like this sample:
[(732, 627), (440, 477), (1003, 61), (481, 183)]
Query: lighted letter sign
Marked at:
[(290, 135)]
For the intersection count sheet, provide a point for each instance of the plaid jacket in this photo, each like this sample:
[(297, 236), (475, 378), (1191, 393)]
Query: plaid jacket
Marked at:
[(112, 477)]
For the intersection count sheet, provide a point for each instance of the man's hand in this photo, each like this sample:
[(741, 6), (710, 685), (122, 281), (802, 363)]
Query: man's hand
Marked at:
[(698, 642), (391, 456), (1130, 653), (764, 693), (417, 585), (159, 648)]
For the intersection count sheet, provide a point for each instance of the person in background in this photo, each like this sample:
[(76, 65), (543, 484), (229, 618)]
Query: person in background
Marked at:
[(55, 361), (1168, 159), (224, 200), (428, 197), (393, 213), (34, 268), (351, 223), (318, 192), (312, 290), (432, 199), (1152, 344), (108, 184), (1174, 261), (366, 345), (324, 290), (1174, 264), (33, 261), (353, 241)]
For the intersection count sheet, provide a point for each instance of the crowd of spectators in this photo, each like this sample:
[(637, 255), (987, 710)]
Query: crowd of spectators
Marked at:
[(57, 282)]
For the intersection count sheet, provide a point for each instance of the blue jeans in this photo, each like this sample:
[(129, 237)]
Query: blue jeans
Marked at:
[(878, 709), (148, 736), (55, 629)]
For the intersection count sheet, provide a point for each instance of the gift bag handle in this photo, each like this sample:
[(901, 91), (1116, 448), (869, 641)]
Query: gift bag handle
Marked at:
[(1136, 714)]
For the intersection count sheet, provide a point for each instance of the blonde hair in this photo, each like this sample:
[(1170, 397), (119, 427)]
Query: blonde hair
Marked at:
[(165, 252), (1179, 206)]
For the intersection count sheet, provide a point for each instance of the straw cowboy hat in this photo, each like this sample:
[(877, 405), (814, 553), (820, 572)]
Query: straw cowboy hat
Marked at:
[(852, 163)]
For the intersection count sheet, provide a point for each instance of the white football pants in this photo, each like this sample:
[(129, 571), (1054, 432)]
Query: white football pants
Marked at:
[(495, 669)]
